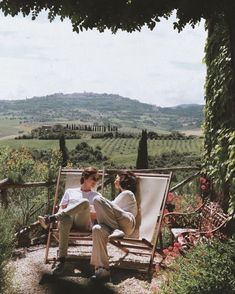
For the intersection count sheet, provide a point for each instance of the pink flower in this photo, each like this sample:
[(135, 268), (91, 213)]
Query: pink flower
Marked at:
[(170, 197), (203, 187), (203, 180), (165, 211), (170, 248), (177, 245), (165, 251), (175, 250)]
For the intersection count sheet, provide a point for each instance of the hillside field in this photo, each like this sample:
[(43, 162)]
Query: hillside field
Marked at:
[(118, 150)]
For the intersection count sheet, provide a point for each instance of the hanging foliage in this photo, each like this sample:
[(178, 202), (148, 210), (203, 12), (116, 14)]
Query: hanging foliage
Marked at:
[(219, 157), (128, 15)]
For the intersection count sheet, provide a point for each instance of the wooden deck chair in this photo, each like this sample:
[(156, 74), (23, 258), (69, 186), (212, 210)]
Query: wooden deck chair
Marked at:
[(71, 179), (151, 197)]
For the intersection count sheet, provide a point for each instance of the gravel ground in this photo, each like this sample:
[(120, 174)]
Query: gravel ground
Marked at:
[(32, 276)]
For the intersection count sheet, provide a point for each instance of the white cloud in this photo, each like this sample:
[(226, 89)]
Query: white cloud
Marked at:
[(160, 67)]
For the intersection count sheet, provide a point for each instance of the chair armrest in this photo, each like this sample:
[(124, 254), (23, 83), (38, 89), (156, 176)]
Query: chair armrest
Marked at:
[(214, 230)]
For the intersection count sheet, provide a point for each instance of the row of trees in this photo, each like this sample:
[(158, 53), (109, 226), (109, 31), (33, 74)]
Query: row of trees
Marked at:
[(92, 128), (114, 135)]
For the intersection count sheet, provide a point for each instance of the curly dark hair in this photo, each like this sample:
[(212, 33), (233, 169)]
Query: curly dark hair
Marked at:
[(89, 171), (127, 180)]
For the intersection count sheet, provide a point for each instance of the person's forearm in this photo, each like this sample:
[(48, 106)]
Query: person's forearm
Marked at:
[(92, 212), (63, 206), (93, 215)]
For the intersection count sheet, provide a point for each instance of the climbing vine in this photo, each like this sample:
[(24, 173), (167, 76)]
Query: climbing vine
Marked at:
[(219, 157)]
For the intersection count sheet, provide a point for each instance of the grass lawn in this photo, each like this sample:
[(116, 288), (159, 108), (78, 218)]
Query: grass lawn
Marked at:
[(9, 127)]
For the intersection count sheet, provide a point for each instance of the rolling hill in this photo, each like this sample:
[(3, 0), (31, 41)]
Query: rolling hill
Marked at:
[(102, 108)]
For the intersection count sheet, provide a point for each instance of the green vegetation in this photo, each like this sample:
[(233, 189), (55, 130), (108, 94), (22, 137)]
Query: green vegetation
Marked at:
[(120, 151), (207, 269), (10, 127), (23, 165), (142, 157), (84, 155), (175, 158), (219, 157), (7, 244), (63, 150)]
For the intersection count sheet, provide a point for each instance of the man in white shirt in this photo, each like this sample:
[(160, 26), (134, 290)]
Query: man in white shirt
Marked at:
[(75, 210), (115, 219)]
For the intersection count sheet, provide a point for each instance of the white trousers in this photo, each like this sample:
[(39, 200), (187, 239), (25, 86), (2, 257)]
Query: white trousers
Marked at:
[(109, 217), (75, 215)]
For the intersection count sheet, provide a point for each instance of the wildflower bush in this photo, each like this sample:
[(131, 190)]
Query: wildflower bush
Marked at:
[(177, 202), (6, 245), (209, 268), (21, 166), (182, 202)]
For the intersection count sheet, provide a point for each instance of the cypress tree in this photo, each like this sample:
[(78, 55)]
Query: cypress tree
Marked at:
[(142, 158), (63, 150)]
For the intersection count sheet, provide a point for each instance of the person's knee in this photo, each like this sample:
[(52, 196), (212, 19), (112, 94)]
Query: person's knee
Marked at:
[(96, 229), (97, 201), (66, 221), (84, 203), (100, 231)]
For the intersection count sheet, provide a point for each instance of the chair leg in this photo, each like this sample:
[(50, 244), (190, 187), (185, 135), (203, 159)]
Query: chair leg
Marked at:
[(161, 240), (47, 247)]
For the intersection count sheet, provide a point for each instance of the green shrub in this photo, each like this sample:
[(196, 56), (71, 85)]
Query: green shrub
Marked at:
[(6, 246), (207, 269)]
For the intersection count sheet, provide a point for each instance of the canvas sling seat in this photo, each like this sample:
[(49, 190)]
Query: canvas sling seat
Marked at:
[(152, 190)]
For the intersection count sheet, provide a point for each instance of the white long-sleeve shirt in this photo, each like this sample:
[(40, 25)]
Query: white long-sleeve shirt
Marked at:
[(126, 201), (74, 195)]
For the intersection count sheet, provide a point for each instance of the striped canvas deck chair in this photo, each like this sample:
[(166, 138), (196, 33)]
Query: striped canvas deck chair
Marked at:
[(68, 178), (152, 190)]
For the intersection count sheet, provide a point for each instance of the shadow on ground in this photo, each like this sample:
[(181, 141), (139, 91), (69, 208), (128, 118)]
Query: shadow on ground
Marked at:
[(61, 285), (76, 280)]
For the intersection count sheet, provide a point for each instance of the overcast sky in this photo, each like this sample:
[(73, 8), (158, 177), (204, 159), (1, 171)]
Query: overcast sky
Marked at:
[(161, 67)]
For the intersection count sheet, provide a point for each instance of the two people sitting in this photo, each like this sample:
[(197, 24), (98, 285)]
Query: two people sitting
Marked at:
[(85, 209)]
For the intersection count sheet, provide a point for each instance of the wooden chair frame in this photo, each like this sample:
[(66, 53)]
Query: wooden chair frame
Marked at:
[(126, 244), (143, 246), (53, 232)]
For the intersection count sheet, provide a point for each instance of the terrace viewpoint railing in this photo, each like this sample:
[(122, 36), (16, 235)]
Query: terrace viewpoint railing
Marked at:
[(7, 187), (7, 184)]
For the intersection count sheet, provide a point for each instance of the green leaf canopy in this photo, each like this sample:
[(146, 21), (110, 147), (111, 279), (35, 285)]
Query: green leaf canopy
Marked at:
[(128, 15)]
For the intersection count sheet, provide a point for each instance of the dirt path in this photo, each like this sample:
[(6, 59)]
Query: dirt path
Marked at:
[(8, 137), (32, 276)]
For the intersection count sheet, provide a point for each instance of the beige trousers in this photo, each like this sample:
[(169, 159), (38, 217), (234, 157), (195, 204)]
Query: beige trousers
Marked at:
[(109, 217), (75, 215)]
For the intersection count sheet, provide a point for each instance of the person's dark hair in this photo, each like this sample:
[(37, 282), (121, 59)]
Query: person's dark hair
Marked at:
[(89, 171), (128, 180)]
